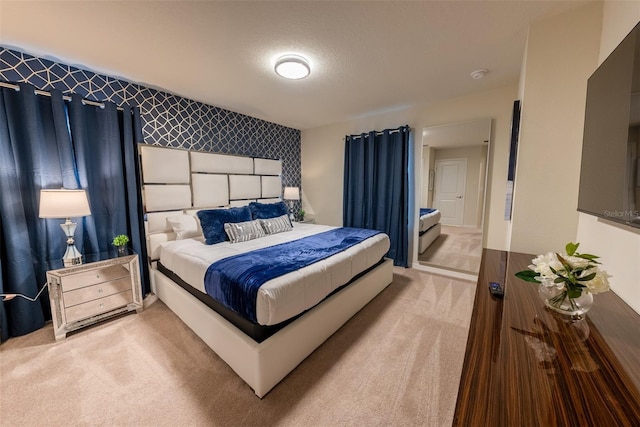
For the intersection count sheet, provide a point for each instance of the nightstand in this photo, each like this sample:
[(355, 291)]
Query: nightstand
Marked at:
[(308, 221), (85, 294)]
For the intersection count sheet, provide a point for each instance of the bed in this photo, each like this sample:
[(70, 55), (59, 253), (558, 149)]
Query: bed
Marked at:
[(429, 228), (181, 187)]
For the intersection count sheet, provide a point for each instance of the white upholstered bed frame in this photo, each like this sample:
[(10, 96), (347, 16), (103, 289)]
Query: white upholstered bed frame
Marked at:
[(429, 230), (428, 238), (176, 181)]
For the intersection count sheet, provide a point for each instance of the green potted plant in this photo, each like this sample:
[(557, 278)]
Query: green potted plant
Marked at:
[(120, 242), (301, 214)]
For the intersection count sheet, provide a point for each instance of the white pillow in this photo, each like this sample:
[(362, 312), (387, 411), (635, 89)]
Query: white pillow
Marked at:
[(184, 226), (194, 214)]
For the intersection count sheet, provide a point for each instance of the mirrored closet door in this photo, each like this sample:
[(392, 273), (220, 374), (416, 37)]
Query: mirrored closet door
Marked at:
[(452, 201)]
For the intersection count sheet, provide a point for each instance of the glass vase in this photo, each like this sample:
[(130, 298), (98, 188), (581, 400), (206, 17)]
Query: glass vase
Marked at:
[(558, 300)]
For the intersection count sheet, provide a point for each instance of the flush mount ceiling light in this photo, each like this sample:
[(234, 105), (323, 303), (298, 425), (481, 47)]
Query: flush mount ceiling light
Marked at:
[(292, 67), (478, 74)]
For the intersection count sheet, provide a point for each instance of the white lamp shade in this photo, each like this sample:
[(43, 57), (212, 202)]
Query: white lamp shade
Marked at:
[(63, 203), (291, 193)]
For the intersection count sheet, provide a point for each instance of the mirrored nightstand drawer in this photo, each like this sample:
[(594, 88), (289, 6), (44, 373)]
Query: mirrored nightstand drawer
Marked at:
[(85, 294), (99, 306)]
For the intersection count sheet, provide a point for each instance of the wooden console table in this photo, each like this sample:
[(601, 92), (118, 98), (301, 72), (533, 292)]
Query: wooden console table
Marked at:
[(527, 366)]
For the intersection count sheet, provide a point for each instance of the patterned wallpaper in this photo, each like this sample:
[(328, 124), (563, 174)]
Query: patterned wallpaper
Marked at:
[(167, 119)]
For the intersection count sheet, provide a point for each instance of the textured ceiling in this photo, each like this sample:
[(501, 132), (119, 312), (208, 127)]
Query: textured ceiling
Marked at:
[(366, 57)]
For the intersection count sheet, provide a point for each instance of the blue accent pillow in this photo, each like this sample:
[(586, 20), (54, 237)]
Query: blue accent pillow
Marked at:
[(213, 220), (267, 210)]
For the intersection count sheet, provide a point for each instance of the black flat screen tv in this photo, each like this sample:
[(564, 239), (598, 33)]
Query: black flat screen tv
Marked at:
[(610, 167)]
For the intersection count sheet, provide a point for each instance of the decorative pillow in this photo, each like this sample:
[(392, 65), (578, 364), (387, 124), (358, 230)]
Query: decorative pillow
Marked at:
[(212, 222), (184, 226), (194, 214), (267, 210), (276, 225), (244, 231)]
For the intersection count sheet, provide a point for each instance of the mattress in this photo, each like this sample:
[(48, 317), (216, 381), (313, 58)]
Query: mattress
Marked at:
[(429, 220), (286, 296)]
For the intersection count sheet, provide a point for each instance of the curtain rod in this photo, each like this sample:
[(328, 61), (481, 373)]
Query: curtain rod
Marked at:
[(381, 132), (64, 97)]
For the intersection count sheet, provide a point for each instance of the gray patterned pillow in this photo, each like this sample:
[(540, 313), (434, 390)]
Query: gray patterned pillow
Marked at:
[(243, 231), (276, 225)]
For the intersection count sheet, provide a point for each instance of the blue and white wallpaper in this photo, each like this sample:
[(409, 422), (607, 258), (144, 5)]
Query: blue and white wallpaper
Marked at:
[(167, 119)]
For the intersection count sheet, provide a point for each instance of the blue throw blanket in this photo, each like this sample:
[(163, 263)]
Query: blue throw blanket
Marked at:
[(424, 211), (234, 281)]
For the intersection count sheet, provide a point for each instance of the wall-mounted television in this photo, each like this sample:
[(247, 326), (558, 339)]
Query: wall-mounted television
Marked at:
[(610, 168)]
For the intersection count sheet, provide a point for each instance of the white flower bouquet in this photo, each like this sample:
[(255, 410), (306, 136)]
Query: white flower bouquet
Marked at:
[(567, 277)]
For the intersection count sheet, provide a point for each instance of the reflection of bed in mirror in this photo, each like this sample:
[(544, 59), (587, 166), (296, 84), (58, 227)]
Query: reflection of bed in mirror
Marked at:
[(454, 168), (262, 348), (429, 227)]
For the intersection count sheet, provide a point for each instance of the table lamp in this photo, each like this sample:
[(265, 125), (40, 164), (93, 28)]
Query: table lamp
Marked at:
[(290, 194), (64, 203)]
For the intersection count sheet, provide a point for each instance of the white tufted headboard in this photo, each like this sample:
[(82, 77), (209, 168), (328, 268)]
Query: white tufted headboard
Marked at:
[(178, 181)]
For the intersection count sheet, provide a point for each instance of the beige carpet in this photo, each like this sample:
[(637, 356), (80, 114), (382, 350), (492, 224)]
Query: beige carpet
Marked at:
[(397, 362), (457, 248)]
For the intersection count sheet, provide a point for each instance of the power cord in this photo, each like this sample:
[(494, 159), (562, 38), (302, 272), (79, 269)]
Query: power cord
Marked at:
[(8, 297)]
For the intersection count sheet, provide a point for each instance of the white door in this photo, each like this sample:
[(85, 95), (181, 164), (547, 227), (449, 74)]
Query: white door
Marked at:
[(451, 176)]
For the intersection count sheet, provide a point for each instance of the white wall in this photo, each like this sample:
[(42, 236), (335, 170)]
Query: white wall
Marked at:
[(323, 154), (427, 165), (562, 52), (618, 246)]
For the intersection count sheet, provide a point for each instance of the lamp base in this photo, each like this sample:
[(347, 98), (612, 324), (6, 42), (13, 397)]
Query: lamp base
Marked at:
[(71, 256), (292, 217)]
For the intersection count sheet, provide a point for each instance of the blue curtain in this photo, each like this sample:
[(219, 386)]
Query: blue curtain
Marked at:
[(376, 183), (35, 153), (46, 143), (104, 141)]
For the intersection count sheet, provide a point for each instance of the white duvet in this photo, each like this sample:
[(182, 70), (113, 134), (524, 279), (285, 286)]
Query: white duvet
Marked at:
[(286, 296)]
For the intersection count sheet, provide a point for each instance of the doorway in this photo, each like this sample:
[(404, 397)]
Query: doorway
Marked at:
[(450, 179)]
